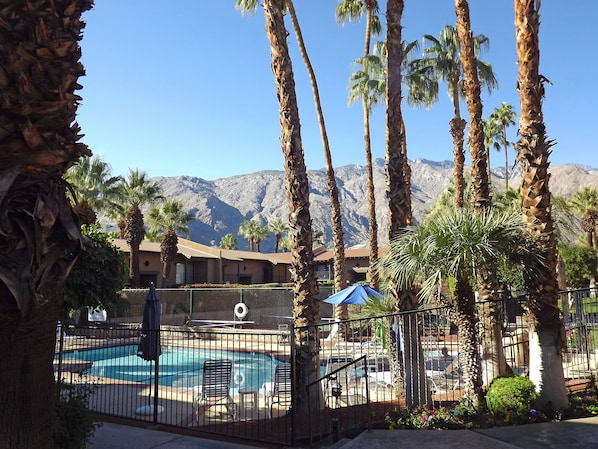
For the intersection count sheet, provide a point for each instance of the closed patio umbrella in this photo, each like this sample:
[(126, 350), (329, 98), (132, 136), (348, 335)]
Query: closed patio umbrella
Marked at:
[(149, 346), (355, 294)]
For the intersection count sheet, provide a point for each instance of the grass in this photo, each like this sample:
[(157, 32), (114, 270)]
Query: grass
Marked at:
[(461, 415)]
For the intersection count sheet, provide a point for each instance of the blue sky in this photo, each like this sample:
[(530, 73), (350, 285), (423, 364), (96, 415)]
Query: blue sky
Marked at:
[(184, 87)]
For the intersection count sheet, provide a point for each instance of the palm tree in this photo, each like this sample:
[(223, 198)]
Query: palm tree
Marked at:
[(137, 191), (453, 245), (585, 203), (369, 94), (92, 180), (441, 61), (278, 228), (492, 133), (493, 358), (502, 117), (546, 330), (40, 237), (305, 305), (338, 239), (228, 242), (254, 232), (398, 193), (170, 219)]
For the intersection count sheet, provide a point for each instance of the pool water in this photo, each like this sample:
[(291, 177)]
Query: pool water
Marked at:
[(178, 367)]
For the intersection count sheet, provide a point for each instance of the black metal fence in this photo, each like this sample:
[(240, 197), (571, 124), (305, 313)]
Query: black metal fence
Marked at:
[(356, 383)]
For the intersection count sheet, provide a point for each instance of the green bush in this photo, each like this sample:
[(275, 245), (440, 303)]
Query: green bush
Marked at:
[(514, 395), (74, 421)]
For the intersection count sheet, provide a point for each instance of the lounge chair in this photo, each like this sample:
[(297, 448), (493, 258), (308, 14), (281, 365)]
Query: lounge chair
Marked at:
[(447, 380), (280, 391), (215, 388), (283, 333)]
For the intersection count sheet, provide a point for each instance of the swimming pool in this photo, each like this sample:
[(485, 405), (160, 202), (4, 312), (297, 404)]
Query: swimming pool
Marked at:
[(178, 367)]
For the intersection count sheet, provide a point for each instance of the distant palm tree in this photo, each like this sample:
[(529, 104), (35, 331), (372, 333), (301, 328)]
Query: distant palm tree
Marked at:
[(545, 326), (492, 134), (585, 203), (93, 183), (278, 228), (137, 191), (441, 60), (228, 242), (254, 232), (502, 117), (170, 219)]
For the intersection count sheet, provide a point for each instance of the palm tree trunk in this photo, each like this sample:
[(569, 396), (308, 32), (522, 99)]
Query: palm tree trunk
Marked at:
[(546, 330), (340, 277), (469, 354), (305, 308), (398, 185), (493, 357), (373, 235), (40, 238)]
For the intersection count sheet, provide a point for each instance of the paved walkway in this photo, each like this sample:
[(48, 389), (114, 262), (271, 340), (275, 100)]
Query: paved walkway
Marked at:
[(571, 434)]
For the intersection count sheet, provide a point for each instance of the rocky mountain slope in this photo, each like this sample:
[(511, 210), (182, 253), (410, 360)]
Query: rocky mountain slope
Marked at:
[(221, 205)]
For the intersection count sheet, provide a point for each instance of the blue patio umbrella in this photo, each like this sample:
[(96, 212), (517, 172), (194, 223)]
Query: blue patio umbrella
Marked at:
[(355, 294), (149, 347)]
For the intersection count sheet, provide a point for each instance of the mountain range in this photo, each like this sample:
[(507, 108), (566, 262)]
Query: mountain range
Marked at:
[(220, 206)]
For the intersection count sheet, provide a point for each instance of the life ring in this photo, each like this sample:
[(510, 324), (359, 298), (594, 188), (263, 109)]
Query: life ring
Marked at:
[(241, 310), (239, 378)]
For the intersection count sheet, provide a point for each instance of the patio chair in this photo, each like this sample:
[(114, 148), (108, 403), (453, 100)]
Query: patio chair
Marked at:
[(281, 390), (215, 388), (283, 333), (447, 380), (341, 385)]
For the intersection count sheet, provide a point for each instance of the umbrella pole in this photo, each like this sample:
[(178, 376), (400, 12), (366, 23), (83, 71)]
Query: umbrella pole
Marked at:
[(156, 391)]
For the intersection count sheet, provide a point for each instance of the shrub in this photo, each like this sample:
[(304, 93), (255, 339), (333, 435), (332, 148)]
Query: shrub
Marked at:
[(74, 421), (511, 396)]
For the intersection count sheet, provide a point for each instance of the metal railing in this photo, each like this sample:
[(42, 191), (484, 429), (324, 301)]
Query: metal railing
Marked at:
[(359, 369)]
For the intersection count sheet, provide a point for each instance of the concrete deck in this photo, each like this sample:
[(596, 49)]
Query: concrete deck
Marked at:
[(571, 434)]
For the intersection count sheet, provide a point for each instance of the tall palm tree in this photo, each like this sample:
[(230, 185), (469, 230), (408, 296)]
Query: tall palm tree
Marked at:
[(398, 193), (441, 60), (338, 239), (278, 228), (40, 236), (254, 232), (493, 358), (171, 219), (93, 182), (545, 327), (504, 116), (305, 305), (453, 245), (137, 191), (361, 89)]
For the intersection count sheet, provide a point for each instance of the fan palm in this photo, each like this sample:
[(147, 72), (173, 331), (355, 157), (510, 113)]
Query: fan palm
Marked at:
[(585, 203), (305, 305), (441, 60), (92, 180), (502, 117), (170, 219), (454, 245), (278, 228), (228, 242), (137, 192), (369, 94), (40, 236), (546, 330)]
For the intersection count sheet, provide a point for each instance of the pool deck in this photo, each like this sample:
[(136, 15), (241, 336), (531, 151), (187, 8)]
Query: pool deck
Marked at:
[(572, 434)]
